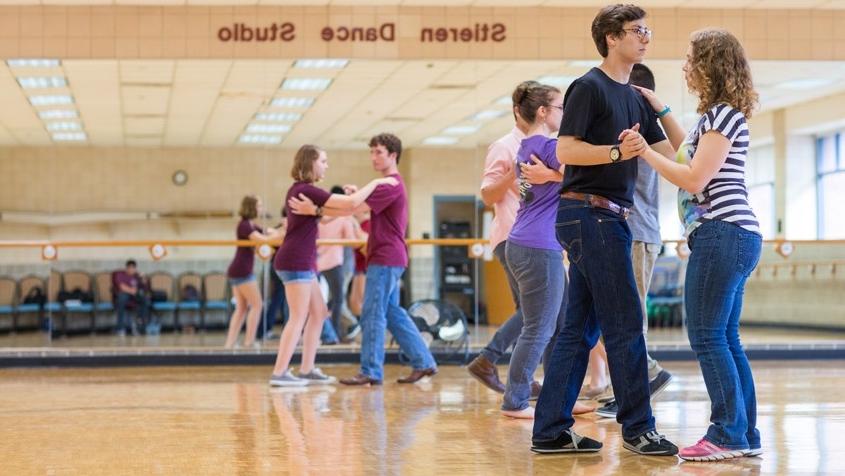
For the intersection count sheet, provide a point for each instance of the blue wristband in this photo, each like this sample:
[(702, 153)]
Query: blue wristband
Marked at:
[(666, 110)]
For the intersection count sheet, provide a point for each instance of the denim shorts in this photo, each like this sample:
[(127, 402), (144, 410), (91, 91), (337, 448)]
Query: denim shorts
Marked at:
[(296, 276), (239, 281)]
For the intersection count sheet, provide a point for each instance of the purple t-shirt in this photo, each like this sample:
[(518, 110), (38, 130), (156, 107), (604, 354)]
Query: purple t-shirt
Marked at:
[(299, 249), (122, 277), (535, 220), (388, 222), (244, 259)]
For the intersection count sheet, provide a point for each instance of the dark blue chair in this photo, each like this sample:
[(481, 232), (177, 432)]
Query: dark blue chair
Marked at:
[(78, 285), (161, 282), (188, 301)]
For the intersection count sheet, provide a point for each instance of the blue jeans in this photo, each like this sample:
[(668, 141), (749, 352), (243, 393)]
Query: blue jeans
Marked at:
[(278, 302), (723, 256), (381, 310), (142, 304), (542, 293), (507, 334), (603, 300)]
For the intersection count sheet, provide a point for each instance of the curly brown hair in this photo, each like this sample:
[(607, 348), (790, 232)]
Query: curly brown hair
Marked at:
[(718, 72)]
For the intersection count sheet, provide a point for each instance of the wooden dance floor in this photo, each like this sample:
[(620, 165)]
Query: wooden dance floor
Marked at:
[(226, 420)]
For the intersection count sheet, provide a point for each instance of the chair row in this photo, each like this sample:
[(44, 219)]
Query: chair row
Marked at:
[(78, 293)]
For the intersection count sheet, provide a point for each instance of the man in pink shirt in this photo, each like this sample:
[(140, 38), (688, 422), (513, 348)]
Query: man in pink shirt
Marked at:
[(499, 190), (330, 262)]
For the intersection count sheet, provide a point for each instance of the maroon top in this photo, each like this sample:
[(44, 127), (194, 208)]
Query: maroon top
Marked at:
[(122, 277), (388, 222), (299, 249), (244, 259), (360, 257)]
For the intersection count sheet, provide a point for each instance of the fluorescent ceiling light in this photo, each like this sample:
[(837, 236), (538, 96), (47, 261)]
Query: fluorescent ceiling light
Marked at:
[(268, 128), (42, 82), (306, 84), (487, 114), (51, 100), (556, 80), (440, 140), (259, 139), (69, 136), (323, 63), (64, 126), (58, 114), (292, 102), (505, 100), (461, 130), (804, 84), (33, 63), (278, 116)]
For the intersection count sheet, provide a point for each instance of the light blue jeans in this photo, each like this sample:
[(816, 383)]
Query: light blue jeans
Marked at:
[(381, 310), (507, 334), (542, 292)]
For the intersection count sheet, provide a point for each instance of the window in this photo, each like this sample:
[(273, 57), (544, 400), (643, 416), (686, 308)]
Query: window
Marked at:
[(760, 181), (830, 179)]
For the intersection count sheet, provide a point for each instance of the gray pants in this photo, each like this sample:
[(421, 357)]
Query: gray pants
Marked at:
[(643, 257)]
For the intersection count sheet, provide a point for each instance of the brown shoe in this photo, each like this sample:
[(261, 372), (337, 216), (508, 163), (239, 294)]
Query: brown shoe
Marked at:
[(535, 390), (418, 374), (486, 372), (360, 379)]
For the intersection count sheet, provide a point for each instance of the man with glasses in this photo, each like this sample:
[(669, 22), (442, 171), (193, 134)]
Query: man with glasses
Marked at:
[(596, 196)]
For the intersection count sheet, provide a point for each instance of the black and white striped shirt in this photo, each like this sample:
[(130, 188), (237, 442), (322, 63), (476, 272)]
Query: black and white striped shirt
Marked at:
[(725, 197)]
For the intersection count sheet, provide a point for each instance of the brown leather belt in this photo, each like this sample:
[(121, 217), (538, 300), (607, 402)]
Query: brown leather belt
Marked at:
[(597, 201)]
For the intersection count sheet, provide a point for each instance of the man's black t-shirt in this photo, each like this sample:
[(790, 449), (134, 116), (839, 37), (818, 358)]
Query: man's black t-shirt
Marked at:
[(596, 109)]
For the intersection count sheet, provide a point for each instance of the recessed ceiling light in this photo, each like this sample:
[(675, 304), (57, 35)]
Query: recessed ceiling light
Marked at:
[(58, 114), (292, 102), (323, 63), (42, 82), (487, 114), (265, 128), (33, 63), (306, 84), (259, 139), (461, 130), (51, 100), (803, 84), (556, 80), (440, 140), (64, 126), (69, 136), (278, 116)]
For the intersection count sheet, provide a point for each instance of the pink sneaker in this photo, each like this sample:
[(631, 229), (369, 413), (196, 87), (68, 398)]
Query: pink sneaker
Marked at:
[(705, 450)]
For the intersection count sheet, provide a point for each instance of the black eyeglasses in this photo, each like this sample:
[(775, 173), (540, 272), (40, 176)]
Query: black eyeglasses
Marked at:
[(642, 32)]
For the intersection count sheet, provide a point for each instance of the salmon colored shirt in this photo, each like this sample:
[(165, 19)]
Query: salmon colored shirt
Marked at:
[(500, 161), (331, 256)]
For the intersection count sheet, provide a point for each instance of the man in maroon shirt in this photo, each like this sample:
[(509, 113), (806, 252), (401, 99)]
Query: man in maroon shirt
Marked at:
[(129, 288)]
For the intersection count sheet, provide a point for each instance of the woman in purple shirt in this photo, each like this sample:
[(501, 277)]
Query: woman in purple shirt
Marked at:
[(534, 255), (296, 265), (244, 285)]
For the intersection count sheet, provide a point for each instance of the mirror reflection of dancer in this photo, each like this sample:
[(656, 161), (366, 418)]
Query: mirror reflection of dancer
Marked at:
[(723, 233), (243, 282), (296, 264)]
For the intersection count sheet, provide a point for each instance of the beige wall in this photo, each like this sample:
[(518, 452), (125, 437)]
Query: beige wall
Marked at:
[(192, 32)]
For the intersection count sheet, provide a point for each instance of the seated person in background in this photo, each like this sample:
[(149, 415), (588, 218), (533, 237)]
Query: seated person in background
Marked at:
[(130, 293)]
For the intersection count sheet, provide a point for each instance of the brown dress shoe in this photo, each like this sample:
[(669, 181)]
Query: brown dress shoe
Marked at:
[(486, 372), (536, 387), (418, 374), (360, 379)]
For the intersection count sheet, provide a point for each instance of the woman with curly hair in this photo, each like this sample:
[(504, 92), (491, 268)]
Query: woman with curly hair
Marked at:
[(723, 234)]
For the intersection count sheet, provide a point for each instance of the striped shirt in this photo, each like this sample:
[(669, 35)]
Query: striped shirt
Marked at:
[(725, 198)]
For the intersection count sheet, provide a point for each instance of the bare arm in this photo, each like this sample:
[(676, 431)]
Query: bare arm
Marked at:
[(537, 173), (574, 151), (352, 201), (670, 124), (712, 151)]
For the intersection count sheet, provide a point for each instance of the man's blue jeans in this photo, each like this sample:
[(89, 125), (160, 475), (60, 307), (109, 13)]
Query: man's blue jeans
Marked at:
[(723, 256), (602, 300), (381, 310)]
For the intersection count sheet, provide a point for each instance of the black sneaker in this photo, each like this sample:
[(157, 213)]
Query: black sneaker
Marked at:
[(659, 383), (567, 442), (651, 444), (608, 410)]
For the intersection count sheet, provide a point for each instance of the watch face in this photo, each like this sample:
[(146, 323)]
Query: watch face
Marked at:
[(615, 154)]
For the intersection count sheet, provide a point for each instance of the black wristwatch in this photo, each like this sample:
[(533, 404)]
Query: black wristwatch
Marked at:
[(615, 154)]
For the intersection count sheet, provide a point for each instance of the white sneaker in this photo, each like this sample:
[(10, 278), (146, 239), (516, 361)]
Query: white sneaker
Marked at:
[(316, 377), (287, 379)]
